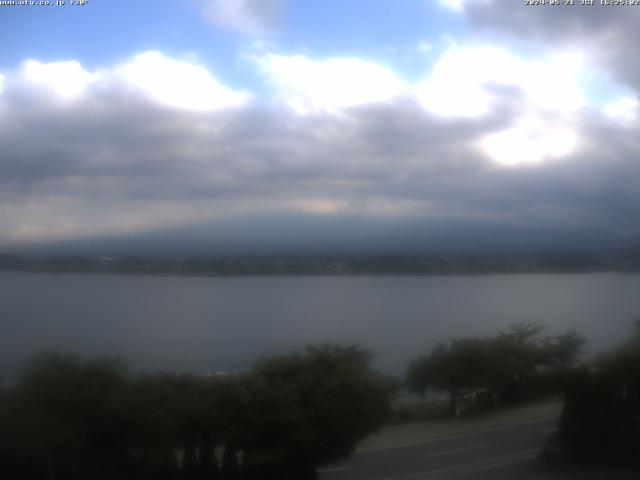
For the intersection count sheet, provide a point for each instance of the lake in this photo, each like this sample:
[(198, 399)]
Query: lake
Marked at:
[(204, 324)]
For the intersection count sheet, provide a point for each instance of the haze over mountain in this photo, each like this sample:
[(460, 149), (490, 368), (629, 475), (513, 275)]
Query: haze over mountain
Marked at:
[(341, 235)]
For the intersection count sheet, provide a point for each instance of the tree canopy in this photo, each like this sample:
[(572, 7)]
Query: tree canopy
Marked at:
[(75, 419), (501, 366), (600, 422)]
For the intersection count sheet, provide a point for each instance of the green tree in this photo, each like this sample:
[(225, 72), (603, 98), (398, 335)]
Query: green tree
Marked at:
[(600, 423), (457, 368), (501, 367), (517, 355), (68, 416), (311, 408), (174, 413), (70, 419), (563, 352)]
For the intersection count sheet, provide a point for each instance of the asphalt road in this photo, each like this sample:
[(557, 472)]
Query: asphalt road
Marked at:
[(508, 452)]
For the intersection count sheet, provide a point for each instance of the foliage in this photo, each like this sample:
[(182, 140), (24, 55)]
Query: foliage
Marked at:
[(67, 417), (74, 419), (317, 404), (500, 367), (600, 422), (461, 365)]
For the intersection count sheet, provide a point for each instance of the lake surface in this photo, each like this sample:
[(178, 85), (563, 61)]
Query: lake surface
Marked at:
[(205, 324)]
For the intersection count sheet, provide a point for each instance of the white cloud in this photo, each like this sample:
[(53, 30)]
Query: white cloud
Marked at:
[(326, 85), (624, 108), (602, 32), (1, 83), (452, 4), (178, 83), (555, 84), (252, 17), (457, 5), (530, 141), (66, 80), (457, 86), (464, 79), (425, 47)]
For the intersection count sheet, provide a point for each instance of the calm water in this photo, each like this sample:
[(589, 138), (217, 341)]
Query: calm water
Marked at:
[(205, 324)]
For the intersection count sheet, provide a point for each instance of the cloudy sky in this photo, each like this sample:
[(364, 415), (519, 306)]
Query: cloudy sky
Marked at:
[(121, 117)]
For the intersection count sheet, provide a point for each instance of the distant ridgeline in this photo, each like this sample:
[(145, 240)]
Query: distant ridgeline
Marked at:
[(326, 265)]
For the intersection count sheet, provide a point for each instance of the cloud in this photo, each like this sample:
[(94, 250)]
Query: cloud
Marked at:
[(425, 47), (308, 85), (66, 80), (605, 32), (473, 82), (530, 141), (151, 75), (624, 109), (466, 80), (123, 154), (457, 5), (452, 4), (251, 17), (178, 83)]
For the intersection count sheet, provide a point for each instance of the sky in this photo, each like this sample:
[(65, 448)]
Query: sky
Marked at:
[(123, 118)]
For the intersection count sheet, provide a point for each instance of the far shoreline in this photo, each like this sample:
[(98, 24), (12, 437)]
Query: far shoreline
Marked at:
[(316, 275)]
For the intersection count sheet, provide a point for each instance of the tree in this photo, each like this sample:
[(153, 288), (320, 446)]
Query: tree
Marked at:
[(517, 355), (68, 418), (9, 463), (175, 413), (312, 408), (600, 423), (457, 368), (499, 367)]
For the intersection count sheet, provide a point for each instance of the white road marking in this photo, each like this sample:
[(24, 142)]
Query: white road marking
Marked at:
[(457, 450), (458, 435), (549, 430), (510, 459)]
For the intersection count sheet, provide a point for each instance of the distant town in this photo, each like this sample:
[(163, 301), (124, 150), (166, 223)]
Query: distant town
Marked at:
[(325, 265)]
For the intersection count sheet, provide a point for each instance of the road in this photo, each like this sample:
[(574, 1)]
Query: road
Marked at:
[(502, 452)]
